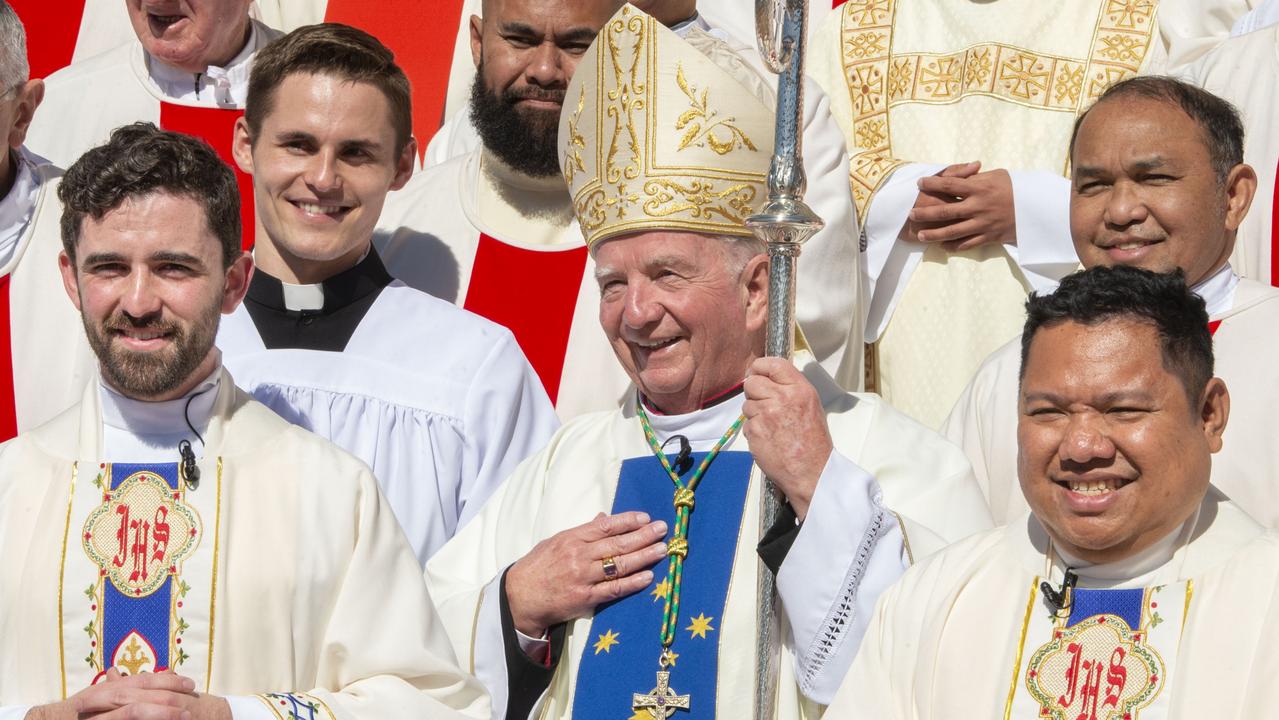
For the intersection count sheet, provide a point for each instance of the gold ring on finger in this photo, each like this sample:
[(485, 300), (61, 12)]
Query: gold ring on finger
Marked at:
[(610, 568)]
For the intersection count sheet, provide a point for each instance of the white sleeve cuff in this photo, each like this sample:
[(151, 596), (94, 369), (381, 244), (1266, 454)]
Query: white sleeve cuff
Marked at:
[(848, 551), (535, 648), (1044, 250), (14, 712), (249, 707), (890, 259)]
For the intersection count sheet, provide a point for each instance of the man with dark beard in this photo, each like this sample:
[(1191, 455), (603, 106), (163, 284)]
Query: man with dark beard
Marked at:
[(493, 230), (168, 497)]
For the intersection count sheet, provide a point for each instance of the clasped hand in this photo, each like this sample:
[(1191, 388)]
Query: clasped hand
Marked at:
[(145, 696), (962, 208)]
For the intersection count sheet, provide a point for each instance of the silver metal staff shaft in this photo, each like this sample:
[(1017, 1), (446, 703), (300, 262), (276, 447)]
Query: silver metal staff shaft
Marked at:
[(785, 223)]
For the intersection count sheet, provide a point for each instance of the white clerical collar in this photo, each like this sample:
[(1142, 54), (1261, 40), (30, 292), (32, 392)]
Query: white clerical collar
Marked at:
[(704, 427), (225, 86), (1218, 290), (1137, 570), (18, 206), (311, 295), (141, 431)]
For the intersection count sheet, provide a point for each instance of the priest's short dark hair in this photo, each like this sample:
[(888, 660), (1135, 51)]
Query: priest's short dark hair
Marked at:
[(1161, 300), (332, 49), (141, 160), (1220, 124)]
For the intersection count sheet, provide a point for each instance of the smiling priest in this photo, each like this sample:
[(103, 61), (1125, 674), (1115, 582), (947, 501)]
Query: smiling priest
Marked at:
[(325, 336), (1135, 589), (169, 522), (614, 574)]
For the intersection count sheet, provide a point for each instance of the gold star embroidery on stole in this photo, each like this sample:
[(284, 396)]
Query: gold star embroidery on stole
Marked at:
[(607, 641), (701, 625), (659, 592)]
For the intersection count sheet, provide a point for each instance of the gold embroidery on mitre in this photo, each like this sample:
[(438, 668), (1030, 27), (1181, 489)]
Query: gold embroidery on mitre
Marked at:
[(661, 137)]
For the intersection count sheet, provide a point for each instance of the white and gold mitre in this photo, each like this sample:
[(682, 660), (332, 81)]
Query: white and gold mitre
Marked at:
[(655, 136)]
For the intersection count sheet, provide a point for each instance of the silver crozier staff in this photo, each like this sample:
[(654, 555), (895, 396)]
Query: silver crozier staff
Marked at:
[(785, 222)]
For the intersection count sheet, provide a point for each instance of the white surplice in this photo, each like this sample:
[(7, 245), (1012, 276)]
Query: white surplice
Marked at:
[(1245, 71), (951, 639), (85, 101), (52, 361), (440, 403), (298, 582), (892, 490), (984, 421)]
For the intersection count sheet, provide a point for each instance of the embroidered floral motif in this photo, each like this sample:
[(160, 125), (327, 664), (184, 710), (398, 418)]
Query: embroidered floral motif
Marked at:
[(701, 122), (296, 706)]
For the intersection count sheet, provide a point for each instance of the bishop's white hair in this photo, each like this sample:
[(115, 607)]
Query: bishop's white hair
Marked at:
[(14, 69)]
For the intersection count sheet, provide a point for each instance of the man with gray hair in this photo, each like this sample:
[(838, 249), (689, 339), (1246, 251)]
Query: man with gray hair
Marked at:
[(43, 360)]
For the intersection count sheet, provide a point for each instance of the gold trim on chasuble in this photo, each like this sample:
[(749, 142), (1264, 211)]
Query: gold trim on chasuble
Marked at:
[(877, 79), (1099, 668)]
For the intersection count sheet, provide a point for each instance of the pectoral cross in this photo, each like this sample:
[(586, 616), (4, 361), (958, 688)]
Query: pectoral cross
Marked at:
[(662, 701)]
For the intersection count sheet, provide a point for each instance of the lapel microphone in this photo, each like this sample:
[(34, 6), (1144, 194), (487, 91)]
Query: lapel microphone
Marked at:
[(1059, 599), (190, 471)]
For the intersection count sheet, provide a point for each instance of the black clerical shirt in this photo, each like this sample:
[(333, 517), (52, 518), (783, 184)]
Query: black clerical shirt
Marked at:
[(347, 297)]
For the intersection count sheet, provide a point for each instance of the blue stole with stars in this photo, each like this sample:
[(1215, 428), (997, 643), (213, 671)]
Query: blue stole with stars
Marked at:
[(624, 641)]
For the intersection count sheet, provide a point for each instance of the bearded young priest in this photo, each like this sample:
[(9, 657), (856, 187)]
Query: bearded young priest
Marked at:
[(176, 550), (1134, 589), (615, 573)]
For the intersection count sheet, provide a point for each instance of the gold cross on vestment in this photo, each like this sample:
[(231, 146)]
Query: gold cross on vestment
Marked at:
[(662, 701)]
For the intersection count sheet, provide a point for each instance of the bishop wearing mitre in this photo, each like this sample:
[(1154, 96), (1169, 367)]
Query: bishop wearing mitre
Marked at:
[(614, 574)]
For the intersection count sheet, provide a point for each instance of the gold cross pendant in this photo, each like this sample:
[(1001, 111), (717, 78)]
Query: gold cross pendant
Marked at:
[(662, 702)]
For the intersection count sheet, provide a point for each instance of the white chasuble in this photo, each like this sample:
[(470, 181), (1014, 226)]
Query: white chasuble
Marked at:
[(918, 84), (280, 575), (1245, 71), (984, 420), (890, 491), (1179, 631)]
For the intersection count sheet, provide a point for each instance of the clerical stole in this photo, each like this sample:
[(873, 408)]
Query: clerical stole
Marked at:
[(619, 664), (139, 572), (533, 293), (216, 126), (1111, 658)]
